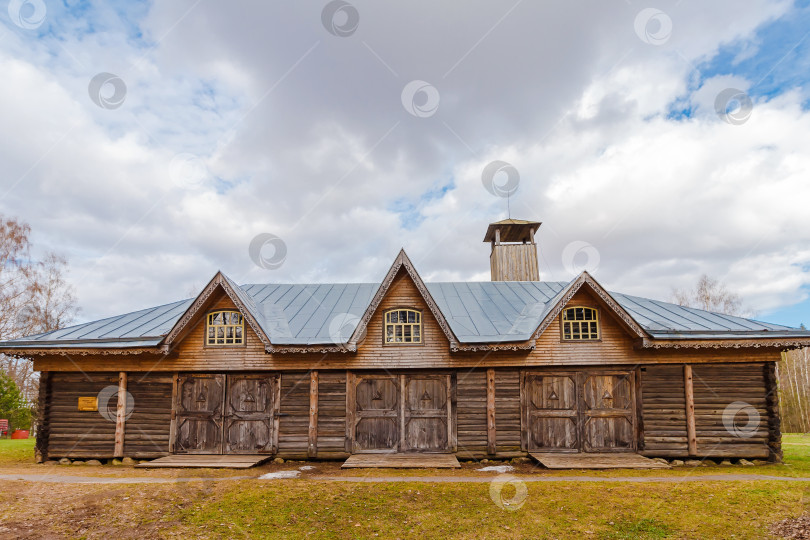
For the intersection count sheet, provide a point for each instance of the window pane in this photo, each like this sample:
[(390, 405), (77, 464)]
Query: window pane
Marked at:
[(398, 331), (407, 334), (393, 315), (411, 316)]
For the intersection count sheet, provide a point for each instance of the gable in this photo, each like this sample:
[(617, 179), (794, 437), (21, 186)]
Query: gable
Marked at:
[(616, 341), (219, 286), (192, 345), (402, 293), (402, 265)]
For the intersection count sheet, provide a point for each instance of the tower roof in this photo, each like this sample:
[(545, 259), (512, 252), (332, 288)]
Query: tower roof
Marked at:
[(512, 230)]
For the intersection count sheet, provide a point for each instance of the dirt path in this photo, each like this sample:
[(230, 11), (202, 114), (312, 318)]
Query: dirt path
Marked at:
[(67, 479)]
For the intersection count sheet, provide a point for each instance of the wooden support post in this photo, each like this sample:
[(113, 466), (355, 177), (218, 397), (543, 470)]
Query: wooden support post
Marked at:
[(691, 436), (173, 421), (313, 414), (639, 416), (492, 433), (121, 416)]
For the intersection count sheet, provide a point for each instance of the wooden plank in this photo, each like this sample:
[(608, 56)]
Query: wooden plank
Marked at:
[(242, 461), (402, 461), (691, 432), (121, 414), (312, 449), (491, 430), (596, 461)]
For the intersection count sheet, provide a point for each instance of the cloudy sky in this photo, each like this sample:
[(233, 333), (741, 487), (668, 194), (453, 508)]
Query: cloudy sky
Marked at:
[(151, 143)]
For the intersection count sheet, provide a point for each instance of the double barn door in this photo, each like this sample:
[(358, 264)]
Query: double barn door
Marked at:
[(401, 413), (225, 414), (579, 411)]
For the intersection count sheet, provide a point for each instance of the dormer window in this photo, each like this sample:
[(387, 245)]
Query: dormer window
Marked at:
[(225, 328), (403, 326), (580, 324)]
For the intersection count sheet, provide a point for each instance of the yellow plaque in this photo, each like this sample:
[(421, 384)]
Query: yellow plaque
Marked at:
[(88, 403)]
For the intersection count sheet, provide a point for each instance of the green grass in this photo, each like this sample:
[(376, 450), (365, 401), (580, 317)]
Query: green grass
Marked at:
[(16, 451), (320, 509)]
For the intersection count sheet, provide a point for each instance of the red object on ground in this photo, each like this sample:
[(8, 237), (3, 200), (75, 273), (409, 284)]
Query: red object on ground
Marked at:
[(19, 434)]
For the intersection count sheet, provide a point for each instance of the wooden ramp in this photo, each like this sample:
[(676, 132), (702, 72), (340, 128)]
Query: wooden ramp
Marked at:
[(239, 461), (597, 461), (401, 461)]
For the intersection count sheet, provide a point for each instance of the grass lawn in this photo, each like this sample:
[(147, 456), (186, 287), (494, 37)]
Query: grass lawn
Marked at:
[(309, 507)]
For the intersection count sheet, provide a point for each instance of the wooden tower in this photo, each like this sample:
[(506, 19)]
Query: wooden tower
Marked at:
[(514, 253)]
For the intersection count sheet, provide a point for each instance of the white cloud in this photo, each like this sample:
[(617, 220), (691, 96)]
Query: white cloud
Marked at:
[(303, 135)]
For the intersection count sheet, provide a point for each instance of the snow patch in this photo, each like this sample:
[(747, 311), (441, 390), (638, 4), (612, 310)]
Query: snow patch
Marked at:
[(497, 468), (306, 468), (280, 474)]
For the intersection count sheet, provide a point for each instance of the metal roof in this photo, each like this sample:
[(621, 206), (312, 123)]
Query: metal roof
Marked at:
[(328, 313)]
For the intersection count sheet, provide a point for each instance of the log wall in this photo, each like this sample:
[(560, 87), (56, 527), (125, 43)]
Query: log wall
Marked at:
[(663, 411), (293, 425), (74, 433), (734, 411), (331, 414), (471, 413), (147, 427), (507, 412)]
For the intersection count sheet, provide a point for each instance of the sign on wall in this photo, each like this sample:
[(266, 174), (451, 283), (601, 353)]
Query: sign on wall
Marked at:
[(88, 403), (3, 425)]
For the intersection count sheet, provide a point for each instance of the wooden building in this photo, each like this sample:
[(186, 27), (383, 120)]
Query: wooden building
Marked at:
[(491, 369)]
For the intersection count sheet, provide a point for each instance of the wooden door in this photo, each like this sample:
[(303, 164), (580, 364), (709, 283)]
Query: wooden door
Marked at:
[(553, 412), (199, 403), (250, 408), (426, 420), (376, 413), (608, 412)]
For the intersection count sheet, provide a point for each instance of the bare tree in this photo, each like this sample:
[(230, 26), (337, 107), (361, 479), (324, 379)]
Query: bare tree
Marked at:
[(711, 295), (34, 297), (794, 391)]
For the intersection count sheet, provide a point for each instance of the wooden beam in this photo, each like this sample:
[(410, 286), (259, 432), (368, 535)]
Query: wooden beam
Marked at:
[(312, 450), (639, 415), (121, 414), (492, 433), (173, 421), (691, 436)]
